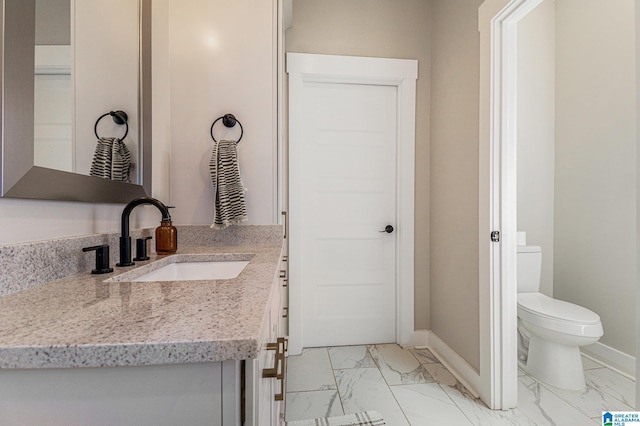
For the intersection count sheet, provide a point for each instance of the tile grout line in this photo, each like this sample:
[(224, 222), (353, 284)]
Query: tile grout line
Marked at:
[(552, 389), (604, 390), (456, 405), (440, 385), (333, 372), (539, 404), (388, 386)]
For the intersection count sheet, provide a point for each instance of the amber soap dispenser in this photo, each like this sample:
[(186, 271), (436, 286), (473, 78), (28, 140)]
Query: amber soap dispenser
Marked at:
[(166, 238)]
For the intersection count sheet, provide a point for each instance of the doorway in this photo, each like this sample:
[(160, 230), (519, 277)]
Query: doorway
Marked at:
[(499, 40), (497, 200), (351, 144)]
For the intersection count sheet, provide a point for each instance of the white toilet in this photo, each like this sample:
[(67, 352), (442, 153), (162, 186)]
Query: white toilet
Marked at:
[(550, 332)]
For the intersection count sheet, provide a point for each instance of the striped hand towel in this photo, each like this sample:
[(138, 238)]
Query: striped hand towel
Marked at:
[(111, 160), (229, 207), (366, 418)]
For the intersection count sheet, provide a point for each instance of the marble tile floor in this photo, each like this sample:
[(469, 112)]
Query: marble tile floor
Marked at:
[(410, 387)]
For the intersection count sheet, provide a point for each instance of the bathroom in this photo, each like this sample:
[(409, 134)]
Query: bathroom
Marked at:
[(210, 57), (576, 162)]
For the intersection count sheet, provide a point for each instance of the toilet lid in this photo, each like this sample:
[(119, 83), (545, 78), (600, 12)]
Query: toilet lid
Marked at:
[(542, 305)]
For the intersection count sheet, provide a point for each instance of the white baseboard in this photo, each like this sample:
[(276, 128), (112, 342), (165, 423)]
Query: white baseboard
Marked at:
[(613, 358), (456, 365), (419, 338)]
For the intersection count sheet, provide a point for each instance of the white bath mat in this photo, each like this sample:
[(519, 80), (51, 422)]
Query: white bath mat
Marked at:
[(366, 418)]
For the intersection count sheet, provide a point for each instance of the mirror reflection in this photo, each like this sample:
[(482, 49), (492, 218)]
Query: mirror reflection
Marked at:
[(87, 65)]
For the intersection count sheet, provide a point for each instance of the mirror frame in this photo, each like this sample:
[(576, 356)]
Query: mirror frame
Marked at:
[(19, 178)]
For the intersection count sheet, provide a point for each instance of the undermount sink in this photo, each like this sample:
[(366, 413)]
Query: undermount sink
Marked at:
[(190, 271), (188, 267)]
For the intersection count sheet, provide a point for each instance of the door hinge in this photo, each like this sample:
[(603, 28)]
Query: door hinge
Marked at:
[(495, 236)]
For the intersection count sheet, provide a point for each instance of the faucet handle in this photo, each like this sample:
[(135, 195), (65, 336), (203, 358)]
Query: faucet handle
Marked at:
[(141, 249), (102, 259)]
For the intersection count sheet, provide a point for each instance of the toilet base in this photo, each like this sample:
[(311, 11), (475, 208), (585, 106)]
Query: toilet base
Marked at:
[(555, 364)]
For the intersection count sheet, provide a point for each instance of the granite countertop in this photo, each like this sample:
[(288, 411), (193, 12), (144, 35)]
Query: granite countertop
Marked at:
[(83, 321)]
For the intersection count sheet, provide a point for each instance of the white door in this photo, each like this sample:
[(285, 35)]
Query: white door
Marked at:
[(347, 198), (351, 149)]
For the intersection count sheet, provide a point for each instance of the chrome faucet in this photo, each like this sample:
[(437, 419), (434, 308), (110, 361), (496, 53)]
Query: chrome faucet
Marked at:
[(125, 238)]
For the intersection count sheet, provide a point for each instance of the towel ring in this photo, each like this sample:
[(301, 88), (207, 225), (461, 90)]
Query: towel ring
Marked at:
[(229, 120), (119, 117)]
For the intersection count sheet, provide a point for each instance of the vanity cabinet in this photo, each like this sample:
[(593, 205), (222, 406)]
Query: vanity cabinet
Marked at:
[(247, 392), (187, 394), (266, 376), (227, 393), (284, 295)]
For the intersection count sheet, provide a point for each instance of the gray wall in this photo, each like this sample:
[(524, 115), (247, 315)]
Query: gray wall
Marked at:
[(595, 215), (53, 22), (454, 175), (380, 28)]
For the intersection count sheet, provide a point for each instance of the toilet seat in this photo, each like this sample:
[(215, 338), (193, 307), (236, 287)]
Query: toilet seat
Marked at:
[(558, 315)]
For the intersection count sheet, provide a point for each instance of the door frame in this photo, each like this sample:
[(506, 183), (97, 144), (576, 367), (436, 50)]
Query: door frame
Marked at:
[(498, 21), (399, 73)]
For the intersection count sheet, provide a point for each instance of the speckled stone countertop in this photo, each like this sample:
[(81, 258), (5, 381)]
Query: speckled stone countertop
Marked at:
[(83, 321)]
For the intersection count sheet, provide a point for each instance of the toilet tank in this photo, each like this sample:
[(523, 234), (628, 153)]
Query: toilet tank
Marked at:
[(529, 264)]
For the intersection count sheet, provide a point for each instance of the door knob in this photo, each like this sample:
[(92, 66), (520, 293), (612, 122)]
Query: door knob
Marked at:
[(388, 229)]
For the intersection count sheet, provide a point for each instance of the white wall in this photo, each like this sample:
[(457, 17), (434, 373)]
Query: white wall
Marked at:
[(222, 60), (595, 193), (454, 225), (37, 220), (536, 133), (206, 63), (105, 40)]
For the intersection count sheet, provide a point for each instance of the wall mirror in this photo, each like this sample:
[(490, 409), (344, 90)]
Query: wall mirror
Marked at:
[(66, 64)]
